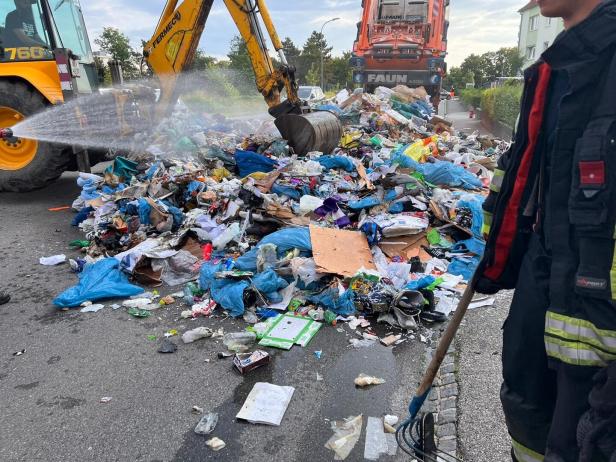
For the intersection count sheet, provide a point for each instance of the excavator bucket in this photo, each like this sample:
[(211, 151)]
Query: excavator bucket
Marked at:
[(316, 131)]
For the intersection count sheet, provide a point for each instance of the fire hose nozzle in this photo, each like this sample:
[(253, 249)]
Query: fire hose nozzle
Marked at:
[(6, 133)]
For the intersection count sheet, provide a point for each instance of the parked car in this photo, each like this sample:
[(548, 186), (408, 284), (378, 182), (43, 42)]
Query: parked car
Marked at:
[(445, 94), (311, 93)]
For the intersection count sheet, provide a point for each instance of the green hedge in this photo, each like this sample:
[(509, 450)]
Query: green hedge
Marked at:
[(502, 103), (472, 96)]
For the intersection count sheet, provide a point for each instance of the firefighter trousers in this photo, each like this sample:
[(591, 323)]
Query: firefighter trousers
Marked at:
[(543, 400)]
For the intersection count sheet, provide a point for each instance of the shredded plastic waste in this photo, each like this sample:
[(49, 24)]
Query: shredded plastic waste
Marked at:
[(364, 380), (346, 435)]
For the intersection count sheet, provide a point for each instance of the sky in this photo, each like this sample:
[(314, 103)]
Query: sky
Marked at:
[(477, 26)]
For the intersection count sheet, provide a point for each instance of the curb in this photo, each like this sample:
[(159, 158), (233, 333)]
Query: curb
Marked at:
[(443, 402)]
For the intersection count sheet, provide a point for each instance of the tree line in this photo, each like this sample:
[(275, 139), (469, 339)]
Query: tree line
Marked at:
[(306, 60), (481, 70)]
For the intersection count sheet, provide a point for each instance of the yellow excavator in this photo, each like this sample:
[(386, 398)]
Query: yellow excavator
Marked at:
[(46, 59)]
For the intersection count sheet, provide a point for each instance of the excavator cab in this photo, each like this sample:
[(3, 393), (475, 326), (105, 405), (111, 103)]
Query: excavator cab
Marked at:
[(45, 59)]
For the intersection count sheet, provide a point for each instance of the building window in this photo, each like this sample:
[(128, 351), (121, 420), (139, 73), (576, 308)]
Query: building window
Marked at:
[(548, 22), (534, 23), (546, 45), (530, 52)]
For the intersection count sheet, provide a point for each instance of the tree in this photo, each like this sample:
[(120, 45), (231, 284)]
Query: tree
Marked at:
[(293, 55), (480, 67), (238, 56), (311, 56), (340, 71), (485, 68), (118, 46), (313, 76), (508, 61), (202, 62), (104, 73), (457, 78)]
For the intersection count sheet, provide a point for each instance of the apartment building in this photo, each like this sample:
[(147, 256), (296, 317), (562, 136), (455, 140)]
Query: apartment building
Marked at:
[(537, 33)]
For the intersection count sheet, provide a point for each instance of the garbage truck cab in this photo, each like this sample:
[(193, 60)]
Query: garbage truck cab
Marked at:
[(45, 59)]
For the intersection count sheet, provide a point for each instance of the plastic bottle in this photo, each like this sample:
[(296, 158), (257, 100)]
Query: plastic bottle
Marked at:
[(189, 298), (330, 317), (239, 342), (317, 314), (194, 288)]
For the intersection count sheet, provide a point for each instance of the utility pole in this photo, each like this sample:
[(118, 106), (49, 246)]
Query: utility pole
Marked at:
[(323, 38)]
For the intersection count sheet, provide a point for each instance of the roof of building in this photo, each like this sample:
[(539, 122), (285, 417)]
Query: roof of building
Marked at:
[(528, 6)]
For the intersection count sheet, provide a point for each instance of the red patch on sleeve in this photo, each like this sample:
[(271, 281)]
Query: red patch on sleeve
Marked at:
[(592, 173)]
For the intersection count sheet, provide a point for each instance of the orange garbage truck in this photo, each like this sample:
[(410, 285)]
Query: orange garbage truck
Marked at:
[(401, 42)]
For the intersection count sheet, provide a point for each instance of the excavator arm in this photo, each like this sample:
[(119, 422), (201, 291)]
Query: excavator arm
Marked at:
[(171, 50)]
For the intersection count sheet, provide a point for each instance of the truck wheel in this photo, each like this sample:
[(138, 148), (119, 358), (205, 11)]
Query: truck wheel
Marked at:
[(26, 164)]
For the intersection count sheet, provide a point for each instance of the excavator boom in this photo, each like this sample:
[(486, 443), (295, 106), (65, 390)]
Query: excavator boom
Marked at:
[(171, 50)]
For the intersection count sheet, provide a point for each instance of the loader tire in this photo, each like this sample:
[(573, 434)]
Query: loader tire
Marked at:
[(25, 164)]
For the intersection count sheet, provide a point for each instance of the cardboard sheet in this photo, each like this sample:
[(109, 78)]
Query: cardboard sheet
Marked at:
[(406, 247), (341, 252)]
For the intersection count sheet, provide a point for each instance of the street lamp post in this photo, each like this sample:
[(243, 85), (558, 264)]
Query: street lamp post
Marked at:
[(323, 38)]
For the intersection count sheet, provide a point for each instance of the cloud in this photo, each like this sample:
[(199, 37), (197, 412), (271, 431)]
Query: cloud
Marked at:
[(482, 25), (476, 25)]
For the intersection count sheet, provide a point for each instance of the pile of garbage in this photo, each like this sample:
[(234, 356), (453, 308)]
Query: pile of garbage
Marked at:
[(388, 225)]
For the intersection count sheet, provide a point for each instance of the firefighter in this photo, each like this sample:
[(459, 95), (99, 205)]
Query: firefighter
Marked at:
[(550, 225)]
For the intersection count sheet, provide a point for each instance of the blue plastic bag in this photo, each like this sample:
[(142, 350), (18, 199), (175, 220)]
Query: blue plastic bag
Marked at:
[(285, 239), (397, 207), (464, 266), (329, 107), (339, 304), (373, 232), (286, 191), (191, 188), (149, 174), (81, 216), (250, 162), (268, 281), (473, 245), (421, 283), (178, 215), (228, 293), (365, 203), (88, 188), (144, 209), (446, 173), (390, 195), (123, 168), (109, 190), (475, 203), (98, 281), (342, 162), (441, 172)]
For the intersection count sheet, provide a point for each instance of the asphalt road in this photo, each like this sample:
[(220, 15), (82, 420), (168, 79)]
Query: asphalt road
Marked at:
[(482, 434), (50, 396)]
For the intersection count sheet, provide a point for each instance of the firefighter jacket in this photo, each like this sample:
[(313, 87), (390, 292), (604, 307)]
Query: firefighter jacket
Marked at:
[(576, 214)]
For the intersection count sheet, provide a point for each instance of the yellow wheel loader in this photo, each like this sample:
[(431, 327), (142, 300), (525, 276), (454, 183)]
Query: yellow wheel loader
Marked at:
[(46, 59)]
